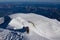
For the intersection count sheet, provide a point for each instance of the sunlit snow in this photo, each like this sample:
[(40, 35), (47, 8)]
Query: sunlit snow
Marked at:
[(40, 27), (43, 26)]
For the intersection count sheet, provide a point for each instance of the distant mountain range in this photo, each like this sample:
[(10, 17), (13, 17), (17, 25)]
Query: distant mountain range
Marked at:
[(50, 10), (30, 2)]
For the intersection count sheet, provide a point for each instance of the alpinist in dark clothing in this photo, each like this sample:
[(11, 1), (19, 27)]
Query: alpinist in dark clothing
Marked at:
[(27, 29)]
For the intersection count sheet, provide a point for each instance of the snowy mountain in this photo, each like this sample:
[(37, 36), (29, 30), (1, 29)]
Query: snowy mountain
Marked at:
[(40, 27), (13, 35)]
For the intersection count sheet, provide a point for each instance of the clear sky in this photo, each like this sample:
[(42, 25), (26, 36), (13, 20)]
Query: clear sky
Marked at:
[(29, 0)]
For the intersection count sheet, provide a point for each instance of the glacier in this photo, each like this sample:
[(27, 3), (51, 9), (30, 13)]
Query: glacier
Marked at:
[(40, 27)]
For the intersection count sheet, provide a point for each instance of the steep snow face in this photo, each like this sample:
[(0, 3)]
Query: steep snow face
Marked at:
[(18, 23), (43, 26)]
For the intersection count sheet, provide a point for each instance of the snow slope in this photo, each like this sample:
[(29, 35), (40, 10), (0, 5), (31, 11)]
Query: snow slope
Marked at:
[(13, 35), (43, 26)]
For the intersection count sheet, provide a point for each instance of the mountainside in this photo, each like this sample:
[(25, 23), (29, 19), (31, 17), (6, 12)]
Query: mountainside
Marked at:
[(40, 27)]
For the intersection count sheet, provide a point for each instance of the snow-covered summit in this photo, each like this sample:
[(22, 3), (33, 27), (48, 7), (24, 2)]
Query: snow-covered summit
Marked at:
[(38, 26), (43, 26)]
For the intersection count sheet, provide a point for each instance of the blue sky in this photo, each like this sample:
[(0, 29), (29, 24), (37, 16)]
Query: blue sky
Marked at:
[(30, 0)]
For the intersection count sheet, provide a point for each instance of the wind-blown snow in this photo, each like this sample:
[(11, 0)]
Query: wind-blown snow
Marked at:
[(43, 26)]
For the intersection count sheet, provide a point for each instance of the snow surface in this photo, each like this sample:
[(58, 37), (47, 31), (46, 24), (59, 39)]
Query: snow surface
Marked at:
[(41, 28), (13, 35)]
